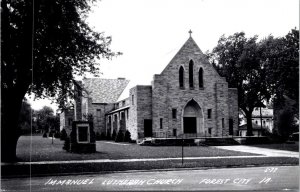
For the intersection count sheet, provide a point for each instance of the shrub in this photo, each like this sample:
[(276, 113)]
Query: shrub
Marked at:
[(45, 135), (50, 134), (57, 134), (108, 136), (120, 137), (102, 136), (127, 137), (98, 136), (63, 134), (286, 124), (113, 137), (67, 144)]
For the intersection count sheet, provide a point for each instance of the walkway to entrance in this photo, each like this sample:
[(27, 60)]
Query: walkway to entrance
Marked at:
[(260, 150)]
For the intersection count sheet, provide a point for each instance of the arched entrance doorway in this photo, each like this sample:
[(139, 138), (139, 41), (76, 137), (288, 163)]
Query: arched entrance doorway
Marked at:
[(192, 119)]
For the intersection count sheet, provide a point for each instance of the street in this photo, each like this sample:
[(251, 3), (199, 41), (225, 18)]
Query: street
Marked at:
[(275, 178)]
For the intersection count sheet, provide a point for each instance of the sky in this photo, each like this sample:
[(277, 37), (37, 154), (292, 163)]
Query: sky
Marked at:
[(150, 32)]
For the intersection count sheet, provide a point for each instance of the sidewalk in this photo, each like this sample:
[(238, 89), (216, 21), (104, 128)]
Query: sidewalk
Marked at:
[(128, 160), (46, 168), (261, 151)]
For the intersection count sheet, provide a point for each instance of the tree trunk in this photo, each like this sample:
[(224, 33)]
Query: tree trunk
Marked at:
[(10, 109), (9, 141), (15, 82), (249, 124)]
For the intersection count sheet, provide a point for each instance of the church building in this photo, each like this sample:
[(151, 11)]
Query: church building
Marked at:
[(188, 97)]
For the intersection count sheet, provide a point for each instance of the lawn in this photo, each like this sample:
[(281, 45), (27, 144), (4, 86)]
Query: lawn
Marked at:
[(44, 150)]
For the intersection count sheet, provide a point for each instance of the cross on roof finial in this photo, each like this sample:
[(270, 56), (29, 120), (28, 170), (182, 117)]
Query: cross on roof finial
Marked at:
[(190, 32)]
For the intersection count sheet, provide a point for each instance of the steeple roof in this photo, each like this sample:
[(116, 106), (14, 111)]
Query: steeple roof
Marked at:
[(190, 46)]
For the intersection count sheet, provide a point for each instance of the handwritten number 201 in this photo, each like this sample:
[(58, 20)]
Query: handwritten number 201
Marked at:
[(271, 169)]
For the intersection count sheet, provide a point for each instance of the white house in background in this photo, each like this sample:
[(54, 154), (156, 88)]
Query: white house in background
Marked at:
[(266, 118)]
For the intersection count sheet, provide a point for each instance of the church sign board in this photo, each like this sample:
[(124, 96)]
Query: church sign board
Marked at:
[(83, 137)]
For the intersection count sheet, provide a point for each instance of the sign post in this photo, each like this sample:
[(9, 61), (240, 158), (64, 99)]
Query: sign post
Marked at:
[(182, 141)]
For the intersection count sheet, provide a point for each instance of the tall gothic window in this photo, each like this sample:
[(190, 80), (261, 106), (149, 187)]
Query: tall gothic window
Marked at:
[(201, 77), (181, 77), (191, 75)]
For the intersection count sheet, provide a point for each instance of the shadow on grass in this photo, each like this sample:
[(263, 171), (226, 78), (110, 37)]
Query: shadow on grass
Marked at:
[(42, 149)]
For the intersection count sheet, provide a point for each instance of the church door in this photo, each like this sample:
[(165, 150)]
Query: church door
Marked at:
[(192, 118), (190, 124), (147, 127)]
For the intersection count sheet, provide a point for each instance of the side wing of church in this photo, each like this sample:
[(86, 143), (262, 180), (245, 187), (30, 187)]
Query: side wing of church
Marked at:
[(189, 97)]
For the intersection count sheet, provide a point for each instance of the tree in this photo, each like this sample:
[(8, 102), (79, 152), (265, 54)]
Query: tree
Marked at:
[(44, 44), (46, 120), (239, 59), (24, 121), (282, 63), (284, 117)]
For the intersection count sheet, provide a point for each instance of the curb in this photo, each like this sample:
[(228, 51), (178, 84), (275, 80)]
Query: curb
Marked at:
[(148, 170), (25, 170)]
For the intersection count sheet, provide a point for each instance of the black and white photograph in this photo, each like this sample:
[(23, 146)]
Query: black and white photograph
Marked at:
[(149, 95)]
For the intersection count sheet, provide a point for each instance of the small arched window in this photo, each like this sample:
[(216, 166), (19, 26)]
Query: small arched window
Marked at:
[(181, 77), (191, 73), (201, 77)]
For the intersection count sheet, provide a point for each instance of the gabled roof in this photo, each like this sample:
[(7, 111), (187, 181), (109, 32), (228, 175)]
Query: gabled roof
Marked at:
[(104, 90), (190, 44), (265, 112), (125, 92)]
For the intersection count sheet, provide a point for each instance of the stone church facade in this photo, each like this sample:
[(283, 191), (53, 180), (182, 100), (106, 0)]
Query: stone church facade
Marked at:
[(189, 97)]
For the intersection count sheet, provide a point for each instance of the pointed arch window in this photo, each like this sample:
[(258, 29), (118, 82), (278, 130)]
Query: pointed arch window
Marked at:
[(191, 73), (181, 77), (201, 77)]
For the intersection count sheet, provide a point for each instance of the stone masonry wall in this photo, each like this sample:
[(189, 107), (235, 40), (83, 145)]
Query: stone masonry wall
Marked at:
[(99, 110), (78, 101), (108, 127), (222, 109), (159, 103), (233, 108), (64, 120), (132, 116), (167, 95), (144, 107)]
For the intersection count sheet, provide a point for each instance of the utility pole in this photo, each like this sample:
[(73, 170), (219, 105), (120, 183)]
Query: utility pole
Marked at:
[(260, 118), (260, 121), (52, 138)]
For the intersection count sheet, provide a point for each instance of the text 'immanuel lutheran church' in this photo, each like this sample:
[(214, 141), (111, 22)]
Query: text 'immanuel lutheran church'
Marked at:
[(188, 97)]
